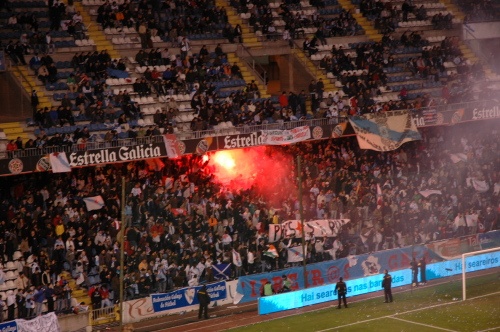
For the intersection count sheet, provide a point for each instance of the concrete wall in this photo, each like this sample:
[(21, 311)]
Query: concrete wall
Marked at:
[(71, 323)]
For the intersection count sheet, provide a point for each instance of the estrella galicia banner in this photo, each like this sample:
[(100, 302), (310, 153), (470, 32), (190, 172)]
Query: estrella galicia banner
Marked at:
[(116, 154), (187, 296), (351, 267)]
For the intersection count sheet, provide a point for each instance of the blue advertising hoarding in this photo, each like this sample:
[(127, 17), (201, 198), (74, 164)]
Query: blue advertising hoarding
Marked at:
[(8, 326), (489, 240), (328, 272), (306, 297), (187, 296)]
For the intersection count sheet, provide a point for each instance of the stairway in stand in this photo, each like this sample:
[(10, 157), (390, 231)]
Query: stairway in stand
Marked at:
[(367, 26), (81, 295), (95, 33), (314, 69), (13, 130), (464, 48), (249, 38), (247, 74)]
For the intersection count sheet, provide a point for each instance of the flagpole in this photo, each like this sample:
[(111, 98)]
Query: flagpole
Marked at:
[(301, 212), (122, 255)]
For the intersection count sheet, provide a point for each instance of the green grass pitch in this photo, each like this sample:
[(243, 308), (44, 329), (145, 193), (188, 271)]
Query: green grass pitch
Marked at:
[(434, 308)]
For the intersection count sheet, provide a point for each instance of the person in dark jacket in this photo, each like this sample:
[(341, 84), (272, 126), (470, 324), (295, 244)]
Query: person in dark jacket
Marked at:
[(341, 289), (386, 285), (422, 264), (204, 300)]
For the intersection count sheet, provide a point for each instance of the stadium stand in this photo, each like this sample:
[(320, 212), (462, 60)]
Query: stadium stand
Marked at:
[(108, 71)]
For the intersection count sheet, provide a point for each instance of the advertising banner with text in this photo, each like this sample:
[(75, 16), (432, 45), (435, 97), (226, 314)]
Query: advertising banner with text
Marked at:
[(358, 286), (327, 272), (187, 296)]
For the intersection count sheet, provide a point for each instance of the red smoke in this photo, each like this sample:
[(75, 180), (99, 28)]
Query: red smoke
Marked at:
[(266, 170)]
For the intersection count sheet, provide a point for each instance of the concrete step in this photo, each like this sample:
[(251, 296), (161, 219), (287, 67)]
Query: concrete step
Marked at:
[(8, 125)]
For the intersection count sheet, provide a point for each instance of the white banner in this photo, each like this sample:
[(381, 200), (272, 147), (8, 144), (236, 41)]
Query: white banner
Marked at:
[(175, 148), (386, 131), (317, 228), (44, 323), (278, 137), (59, 162)]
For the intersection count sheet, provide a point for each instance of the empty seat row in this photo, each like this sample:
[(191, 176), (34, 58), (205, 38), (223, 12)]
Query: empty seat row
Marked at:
[(120, 81), (124, 40), (117, 31), (85, 42)]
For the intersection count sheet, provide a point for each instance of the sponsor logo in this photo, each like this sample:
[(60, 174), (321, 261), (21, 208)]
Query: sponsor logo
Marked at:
[(124, 153), (485, 113), (43, 164), (242, 141), (16, 166), (317, 132)]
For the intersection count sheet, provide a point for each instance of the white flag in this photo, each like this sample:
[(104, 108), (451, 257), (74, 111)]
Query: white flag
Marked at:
[(237, 258), (295, 254), (480, 186), (59, 162), (93, 203), (428, 192)]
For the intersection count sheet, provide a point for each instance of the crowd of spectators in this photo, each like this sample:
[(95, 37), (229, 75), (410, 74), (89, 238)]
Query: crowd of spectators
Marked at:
[(169, 19), (479, 11), (179, 220), (296, 21)]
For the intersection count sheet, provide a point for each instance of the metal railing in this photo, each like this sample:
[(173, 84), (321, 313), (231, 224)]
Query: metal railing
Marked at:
[(104, 315), (246, 129), (314, 70), (258, 70)]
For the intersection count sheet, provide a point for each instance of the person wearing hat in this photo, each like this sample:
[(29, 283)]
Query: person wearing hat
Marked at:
[(204, 300)]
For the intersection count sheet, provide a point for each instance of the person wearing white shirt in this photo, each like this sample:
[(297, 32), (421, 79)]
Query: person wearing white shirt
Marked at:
[(193, 281), (250, 261)]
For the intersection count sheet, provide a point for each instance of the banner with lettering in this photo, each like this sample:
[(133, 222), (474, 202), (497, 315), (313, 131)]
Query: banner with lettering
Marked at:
[(8, 326), (386, 131), (116, 154), (454, 248), (279, 137), (489, 240), (175, 148), (317, 228), (350, 267), (187, 296)]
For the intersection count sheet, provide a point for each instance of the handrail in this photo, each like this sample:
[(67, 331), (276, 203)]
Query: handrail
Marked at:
[(296, 49), (253, 65), (246, 129), (25, 80)]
